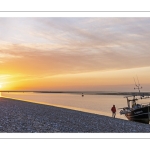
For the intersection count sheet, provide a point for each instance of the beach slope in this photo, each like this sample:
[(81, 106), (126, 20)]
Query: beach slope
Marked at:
[(26, 117)]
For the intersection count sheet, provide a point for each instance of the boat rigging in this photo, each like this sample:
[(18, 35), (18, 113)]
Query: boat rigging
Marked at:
[(135, 111)]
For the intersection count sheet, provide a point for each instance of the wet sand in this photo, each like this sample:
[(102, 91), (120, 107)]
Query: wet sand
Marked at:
[(26, 117)]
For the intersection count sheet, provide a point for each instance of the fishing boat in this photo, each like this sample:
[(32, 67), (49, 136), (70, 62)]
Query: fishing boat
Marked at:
[(134, 110)]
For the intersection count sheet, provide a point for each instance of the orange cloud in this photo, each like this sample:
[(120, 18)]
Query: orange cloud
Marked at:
[(48, 49)]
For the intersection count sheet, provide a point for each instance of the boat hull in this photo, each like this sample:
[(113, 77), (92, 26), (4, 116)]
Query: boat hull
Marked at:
[(139, 115)]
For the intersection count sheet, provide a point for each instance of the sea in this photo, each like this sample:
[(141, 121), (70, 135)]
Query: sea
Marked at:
[(96, 104)]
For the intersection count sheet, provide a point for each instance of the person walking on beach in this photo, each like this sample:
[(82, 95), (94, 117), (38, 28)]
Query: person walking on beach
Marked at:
[(113, 109)]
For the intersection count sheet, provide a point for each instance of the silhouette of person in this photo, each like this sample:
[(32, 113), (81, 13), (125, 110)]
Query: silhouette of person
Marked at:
[(113, 109)]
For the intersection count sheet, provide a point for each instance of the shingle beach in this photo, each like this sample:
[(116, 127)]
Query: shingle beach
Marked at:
[(26, 117)]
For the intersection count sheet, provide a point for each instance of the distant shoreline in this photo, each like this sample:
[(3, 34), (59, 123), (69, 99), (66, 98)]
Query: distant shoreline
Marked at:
[(86, 92)]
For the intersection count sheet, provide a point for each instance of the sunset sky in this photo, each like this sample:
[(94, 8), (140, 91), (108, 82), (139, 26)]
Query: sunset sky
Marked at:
[(83, 53)]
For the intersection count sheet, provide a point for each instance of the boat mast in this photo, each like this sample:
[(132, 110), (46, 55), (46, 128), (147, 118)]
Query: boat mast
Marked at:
[(137, 85)]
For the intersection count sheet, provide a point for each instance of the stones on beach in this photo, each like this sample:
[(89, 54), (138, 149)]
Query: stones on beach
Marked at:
[(25, 117)]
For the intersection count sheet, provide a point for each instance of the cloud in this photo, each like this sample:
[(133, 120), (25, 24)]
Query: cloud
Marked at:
[(52, 46)]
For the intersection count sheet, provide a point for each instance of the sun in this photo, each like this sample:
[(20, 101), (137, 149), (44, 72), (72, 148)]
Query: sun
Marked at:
[(0, 85)]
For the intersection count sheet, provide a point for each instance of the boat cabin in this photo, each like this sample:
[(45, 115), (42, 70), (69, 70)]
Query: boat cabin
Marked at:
[(131, 103)]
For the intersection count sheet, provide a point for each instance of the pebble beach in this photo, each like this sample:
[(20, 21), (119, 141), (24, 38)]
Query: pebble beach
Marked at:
[(25, 117)]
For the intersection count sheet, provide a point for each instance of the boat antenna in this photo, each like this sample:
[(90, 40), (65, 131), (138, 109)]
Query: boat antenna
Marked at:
[(138, 81), (137, 85)]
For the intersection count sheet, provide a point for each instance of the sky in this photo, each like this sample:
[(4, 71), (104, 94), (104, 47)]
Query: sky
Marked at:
[(74, 53)]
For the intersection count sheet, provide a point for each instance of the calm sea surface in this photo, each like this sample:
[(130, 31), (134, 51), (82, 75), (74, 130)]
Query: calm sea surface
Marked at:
[(98, 104)]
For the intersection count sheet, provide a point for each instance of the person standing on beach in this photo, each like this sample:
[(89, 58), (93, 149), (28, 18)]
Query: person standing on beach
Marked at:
[(113, 109)]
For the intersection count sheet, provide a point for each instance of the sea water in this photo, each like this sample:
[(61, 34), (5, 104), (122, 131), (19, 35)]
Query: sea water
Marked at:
[(97, 104)]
